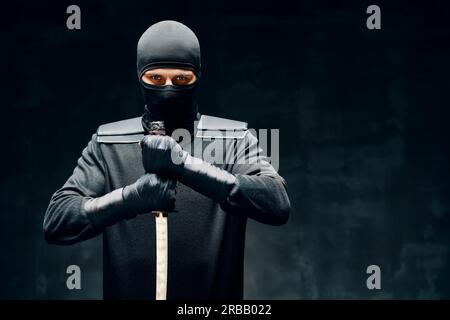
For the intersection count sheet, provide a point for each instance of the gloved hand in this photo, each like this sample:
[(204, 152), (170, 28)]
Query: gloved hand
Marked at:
[(163, 155), (149, 193)]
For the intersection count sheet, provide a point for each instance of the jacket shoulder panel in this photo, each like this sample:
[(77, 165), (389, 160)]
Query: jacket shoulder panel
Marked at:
[(215, 127), (124, 131)]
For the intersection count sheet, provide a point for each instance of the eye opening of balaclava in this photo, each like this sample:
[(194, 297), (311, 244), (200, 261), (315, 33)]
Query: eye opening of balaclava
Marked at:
[(172, 87), (169, 44)]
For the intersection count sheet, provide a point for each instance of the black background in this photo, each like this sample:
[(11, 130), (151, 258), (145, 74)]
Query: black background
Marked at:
[(363, 118)]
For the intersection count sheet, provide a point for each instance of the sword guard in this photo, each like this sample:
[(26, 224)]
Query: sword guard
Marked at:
[(158, 214)]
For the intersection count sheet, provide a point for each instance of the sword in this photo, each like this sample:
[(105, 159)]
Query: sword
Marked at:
[(162, 248)]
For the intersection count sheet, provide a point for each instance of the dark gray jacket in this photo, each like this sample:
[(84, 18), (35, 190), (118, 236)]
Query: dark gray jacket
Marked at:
[(206, 241)]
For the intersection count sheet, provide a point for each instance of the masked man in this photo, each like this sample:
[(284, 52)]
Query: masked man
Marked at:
[(124, 174)]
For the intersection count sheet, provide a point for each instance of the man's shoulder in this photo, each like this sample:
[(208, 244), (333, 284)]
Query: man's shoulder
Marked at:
[(127, 126), (131, 130), (216, 123), (212, 127), (123, 131)]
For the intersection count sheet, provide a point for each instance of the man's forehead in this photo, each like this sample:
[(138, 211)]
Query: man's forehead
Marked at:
[(169, 70)]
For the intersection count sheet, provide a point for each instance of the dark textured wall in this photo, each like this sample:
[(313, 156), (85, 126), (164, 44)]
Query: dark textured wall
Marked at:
[(363, 118)]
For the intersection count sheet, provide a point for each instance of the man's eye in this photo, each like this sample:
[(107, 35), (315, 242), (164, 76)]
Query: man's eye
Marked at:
[(155, 77), (180, 78)]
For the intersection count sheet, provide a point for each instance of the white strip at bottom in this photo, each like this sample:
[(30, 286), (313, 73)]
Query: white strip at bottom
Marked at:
[(161, 255)]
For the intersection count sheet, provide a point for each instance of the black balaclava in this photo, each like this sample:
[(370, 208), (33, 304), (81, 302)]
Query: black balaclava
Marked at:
[(169, 44)]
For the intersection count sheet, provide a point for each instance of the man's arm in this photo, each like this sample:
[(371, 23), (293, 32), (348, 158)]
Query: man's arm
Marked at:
[(81, 210), (259, 191), (65, 220), (252, 188)]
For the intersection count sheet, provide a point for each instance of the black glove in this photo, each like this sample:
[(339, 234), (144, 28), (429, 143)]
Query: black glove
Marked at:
[(149, 193), (163, 155)]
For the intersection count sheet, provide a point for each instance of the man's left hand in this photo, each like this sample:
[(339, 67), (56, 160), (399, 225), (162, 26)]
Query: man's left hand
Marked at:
[(162, 154)]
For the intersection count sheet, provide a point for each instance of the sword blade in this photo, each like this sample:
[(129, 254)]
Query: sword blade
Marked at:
[(161, 255)]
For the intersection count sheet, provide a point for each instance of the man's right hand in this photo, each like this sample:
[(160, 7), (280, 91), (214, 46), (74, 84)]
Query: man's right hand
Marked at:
[(149, 193)]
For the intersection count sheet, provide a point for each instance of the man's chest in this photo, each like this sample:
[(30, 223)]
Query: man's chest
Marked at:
[(123, 163)]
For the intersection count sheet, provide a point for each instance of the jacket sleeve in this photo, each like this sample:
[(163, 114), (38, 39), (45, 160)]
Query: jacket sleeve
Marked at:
[(66, 221), (260, 192)]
